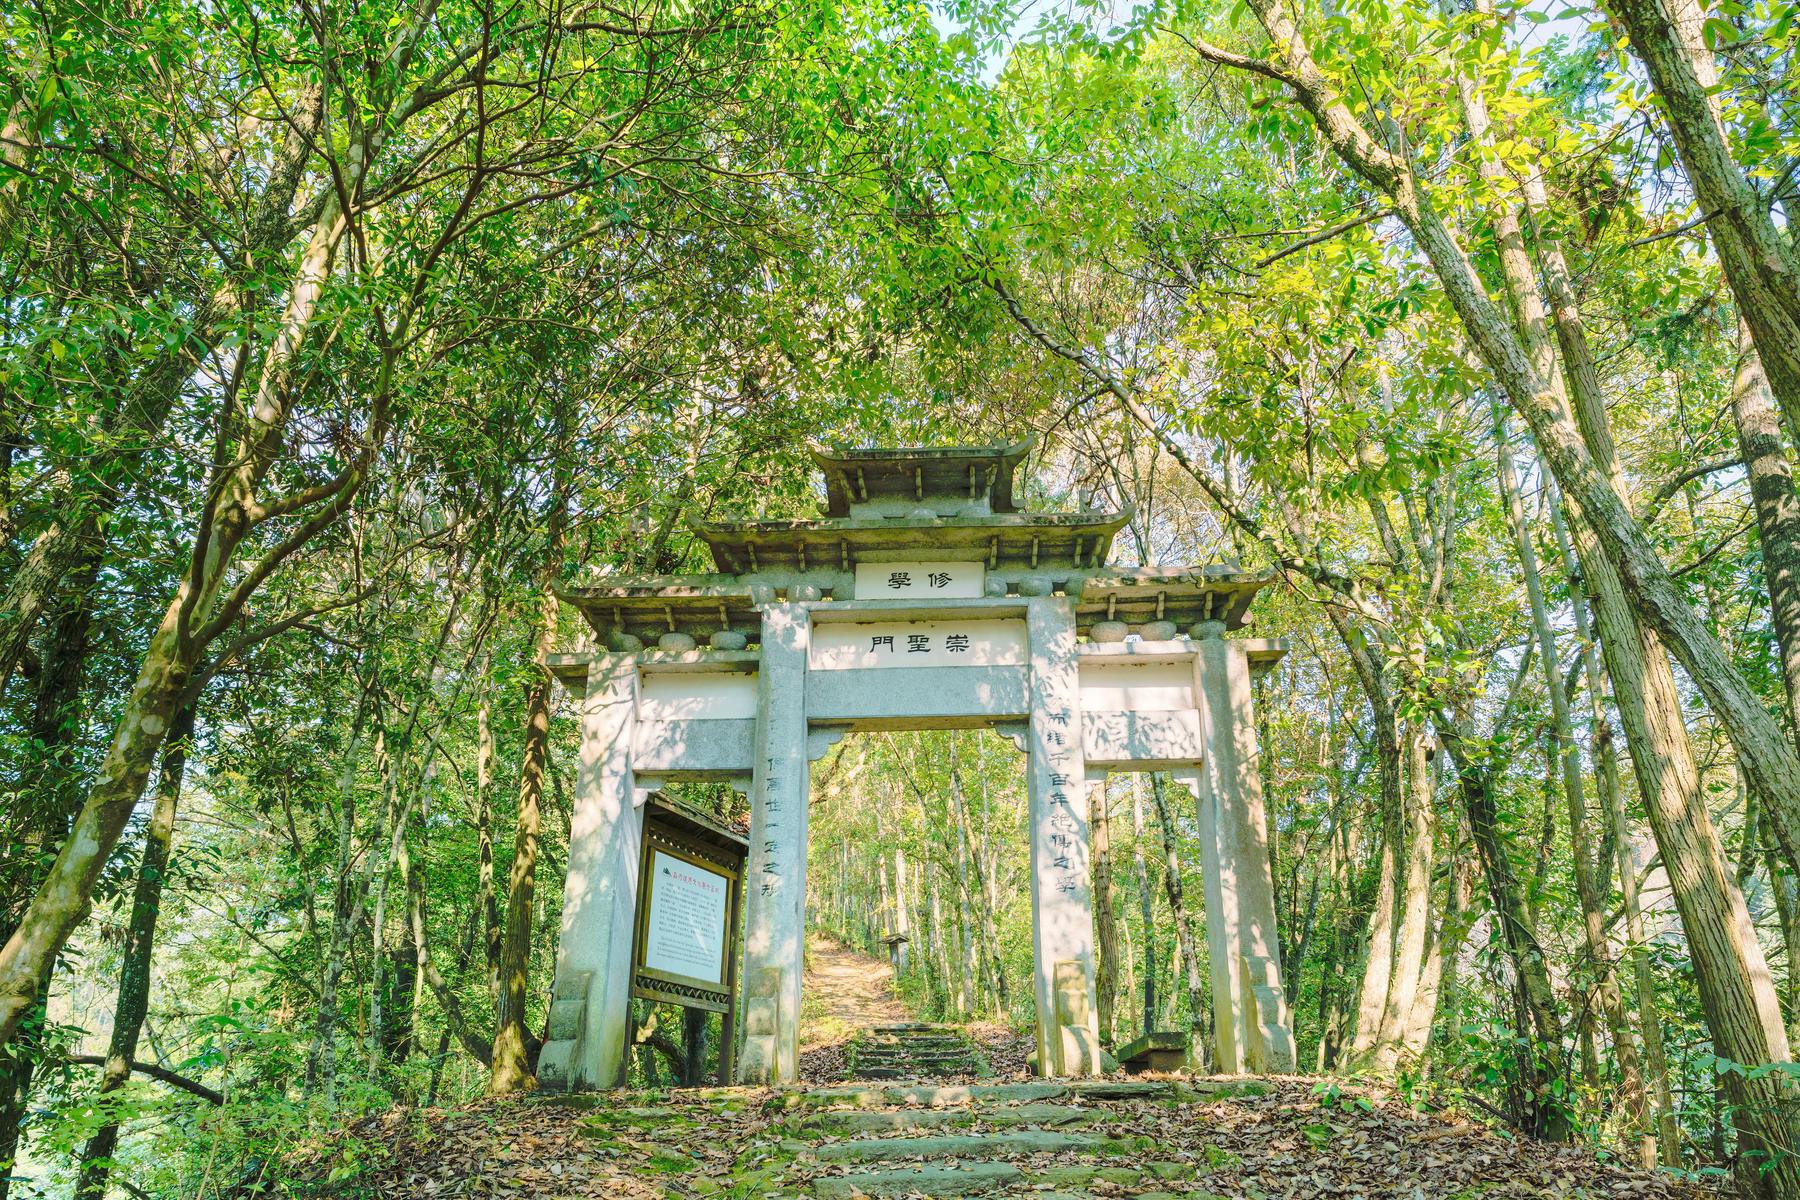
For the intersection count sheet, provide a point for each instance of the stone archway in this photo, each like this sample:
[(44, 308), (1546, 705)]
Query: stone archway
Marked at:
[(922, 598)]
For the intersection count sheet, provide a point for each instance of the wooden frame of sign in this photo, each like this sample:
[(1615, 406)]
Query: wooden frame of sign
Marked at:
[(685, 949)]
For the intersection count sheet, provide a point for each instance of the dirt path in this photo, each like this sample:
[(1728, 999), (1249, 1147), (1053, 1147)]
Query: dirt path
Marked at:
[(845, 990)]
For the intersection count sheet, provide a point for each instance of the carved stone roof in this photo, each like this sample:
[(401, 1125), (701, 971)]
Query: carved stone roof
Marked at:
[(1039, 541), (948, 480)]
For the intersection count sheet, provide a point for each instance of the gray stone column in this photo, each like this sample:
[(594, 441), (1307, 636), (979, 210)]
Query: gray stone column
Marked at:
[(1062, 919), (1219, 879), (588, 1010), (775, 883), (1232, 781)]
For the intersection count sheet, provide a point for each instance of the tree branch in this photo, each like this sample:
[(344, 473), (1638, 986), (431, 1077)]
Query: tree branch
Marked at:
[(163, 1074)]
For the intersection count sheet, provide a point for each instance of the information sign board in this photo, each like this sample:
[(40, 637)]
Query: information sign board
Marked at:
[(687, 910), (684, 934)]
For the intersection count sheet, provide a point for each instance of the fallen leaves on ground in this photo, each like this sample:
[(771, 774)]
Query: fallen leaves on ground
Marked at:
[(1287, 1144)]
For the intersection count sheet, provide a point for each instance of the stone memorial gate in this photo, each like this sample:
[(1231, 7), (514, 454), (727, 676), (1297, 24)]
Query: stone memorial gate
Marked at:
[(922, 599)]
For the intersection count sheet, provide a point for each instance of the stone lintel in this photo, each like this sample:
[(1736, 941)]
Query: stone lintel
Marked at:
[(1263, 653), (573, 668)]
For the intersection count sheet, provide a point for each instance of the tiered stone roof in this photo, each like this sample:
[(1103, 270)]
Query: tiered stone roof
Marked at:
[(918, 505)]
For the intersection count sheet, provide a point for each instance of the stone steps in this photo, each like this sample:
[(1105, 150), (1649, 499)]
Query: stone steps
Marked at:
[(1045, 1140), (904, 1051), (965, 1145)]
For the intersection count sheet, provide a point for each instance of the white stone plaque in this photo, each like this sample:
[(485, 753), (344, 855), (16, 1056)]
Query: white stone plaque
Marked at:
[(696, 696), (840, 645), (920, 580), (1137, 687), (684, 933)]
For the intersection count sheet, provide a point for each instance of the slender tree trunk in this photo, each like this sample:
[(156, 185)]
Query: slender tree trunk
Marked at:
[(1146, 901), (1656, 1062), (321, 1059), (1548, 1116), (902, 915), (986, 935), (1183, 920), (1759, 262), (1106, 926), (1439, 978), (1398, 876), (1588, 890), (515, 1049), (1777, 511), (487, 898), (456, 1018), (1412, 905), (134, 971)]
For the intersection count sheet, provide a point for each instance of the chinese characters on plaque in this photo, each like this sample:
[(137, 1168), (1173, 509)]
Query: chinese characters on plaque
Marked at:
[(983, 643), (920, 580)]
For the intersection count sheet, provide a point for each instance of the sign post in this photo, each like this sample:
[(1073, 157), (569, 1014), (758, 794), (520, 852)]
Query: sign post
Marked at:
[(689, 895)]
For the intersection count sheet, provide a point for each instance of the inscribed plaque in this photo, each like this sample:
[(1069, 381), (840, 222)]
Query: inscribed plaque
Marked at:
[(920, 580)]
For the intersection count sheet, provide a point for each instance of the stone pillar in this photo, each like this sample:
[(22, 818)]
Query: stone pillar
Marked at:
[(1218, 878), (775, 923), (1062, 919), (591, 997), (1262, 1033)]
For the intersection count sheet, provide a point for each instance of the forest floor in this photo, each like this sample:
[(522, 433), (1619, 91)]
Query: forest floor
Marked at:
[(1005, 1135)]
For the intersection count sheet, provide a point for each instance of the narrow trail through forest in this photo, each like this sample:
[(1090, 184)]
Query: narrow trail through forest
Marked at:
[(846, 990)]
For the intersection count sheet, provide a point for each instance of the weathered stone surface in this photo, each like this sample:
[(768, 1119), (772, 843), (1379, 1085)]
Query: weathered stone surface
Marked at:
[(1039, 1114), (858, 1096), (978, 1093), (884, 1120), (1198, 1090), (967, 1179), (1120, 1089), (968, 1145), (1077, 1175)]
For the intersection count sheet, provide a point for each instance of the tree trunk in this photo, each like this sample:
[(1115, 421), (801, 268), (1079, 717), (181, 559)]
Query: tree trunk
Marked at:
[(1439, 977), (1146, 901), (1183, 920), (515, 1050), (321, 1059), (1412, 906), (487, 898), (1106, 928), (1548, 1116), (1588, 889), (1777, 511), (1758, 261), (134, 970), (456, 1019), (1656, 1062)]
